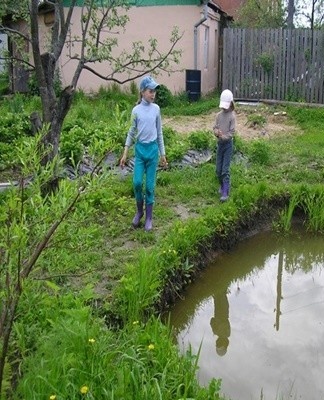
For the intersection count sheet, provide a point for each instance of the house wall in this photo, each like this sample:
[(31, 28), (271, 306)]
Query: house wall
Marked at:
[(158, 22)]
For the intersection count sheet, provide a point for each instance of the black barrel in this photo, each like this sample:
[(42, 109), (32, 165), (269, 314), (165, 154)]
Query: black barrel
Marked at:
[(193, 84)]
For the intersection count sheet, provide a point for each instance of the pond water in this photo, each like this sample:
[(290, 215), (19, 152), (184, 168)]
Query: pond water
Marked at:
[(258, 315)]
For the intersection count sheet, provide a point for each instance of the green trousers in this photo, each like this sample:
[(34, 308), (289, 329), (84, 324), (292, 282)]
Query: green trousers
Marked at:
[(146, 162)]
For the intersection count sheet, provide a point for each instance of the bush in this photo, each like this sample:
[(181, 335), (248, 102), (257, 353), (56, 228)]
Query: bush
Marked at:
[(260, 152), (164, 96), (4, 83), (256, 120), (200, 140)]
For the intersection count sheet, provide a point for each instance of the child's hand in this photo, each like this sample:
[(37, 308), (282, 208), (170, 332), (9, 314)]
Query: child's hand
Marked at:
[(124, 158), (164, 162), (218, 133), (122, 161)]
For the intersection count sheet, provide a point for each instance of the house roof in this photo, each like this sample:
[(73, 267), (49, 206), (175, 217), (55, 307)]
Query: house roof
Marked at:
[(230, 7), (215, 4)]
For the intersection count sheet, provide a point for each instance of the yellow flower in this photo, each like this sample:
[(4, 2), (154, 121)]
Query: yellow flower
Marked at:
[(151, 346), (84, 390), (91, 340), (135, 323), (53, 397)]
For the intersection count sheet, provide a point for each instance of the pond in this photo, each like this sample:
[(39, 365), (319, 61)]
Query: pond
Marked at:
[(258, 315)]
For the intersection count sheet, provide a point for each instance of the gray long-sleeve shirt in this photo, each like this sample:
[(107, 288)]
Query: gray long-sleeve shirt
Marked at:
[(146, 125), (226, 123)]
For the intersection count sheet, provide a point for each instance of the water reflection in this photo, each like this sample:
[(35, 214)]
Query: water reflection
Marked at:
[(259, 314), (220, 322)]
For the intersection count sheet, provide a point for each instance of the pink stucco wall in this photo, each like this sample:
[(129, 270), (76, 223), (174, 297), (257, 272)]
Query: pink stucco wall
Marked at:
[(158, 22)]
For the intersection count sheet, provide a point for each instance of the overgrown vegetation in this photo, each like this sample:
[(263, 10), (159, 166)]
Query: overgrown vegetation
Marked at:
[(93, 298)]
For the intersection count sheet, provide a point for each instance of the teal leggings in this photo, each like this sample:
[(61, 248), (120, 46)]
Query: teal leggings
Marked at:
[(146, 161)]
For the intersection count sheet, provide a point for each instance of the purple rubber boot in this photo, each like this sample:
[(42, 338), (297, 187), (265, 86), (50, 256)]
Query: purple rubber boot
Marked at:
[(139, 214), (225, 191), (220, 189), (148, 217)]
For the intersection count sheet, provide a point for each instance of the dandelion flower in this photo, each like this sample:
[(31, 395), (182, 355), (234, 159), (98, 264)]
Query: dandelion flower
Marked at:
[(91, 340), (53, 397), (84, 390), (151, 346)]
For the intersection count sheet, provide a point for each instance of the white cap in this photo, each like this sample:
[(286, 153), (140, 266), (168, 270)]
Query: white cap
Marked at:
[(226, 99)]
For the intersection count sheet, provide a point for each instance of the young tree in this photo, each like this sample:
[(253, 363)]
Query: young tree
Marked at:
[(100, 20), (261, 14), (313, 13)]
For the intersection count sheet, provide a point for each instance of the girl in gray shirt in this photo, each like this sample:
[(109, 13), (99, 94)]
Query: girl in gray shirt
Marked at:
[(224, 130)]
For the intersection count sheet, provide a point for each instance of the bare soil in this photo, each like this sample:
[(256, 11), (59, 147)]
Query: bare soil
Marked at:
[(277, 123)]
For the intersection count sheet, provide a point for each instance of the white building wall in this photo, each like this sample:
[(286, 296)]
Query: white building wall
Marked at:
[(156, 22)]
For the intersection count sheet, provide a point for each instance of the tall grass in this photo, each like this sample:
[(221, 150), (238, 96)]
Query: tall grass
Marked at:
[(313, 205), (80, 358)]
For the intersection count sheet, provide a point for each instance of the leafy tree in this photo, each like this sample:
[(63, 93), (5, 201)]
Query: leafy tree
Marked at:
[(100, 20), (261, 14), (312, 12), (26, 234)]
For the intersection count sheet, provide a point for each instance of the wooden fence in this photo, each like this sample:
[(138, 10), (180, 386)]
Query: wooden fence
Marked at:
[(279, 64)]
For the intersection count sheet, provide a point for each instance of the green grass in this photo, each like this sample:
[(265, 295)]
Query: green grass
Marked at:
[(91, 300)]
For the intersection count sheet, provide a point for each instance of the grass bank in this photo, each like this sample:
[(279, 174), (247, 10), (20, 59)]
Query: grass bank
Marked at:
[(88, 322)]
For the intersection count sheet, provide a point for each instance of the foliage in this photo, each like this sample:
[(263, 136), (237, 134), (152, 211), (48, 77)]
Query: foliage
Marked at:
[(33, 86), (260, 152), (310, 14), (261, 14), (164, 96), (97, 43), (14, 127), (30, 223), (201, 140), (266, 61), (148, 362), (4, 83), (97, 276), (184, 107), (256, 120), (176, 148)]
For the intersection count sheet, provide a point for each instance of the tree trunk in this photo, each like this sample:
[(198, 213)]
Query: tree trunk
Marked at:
[(51, 139), (291, 14)]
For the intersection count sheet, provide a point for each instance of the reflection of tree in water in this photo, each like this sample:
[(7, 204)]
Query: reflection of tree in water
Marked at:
[(294, 252), (310, 253)]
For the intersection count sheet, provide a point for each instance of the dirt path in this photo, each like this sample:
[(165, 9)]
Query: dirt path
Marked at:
[(275, 123)]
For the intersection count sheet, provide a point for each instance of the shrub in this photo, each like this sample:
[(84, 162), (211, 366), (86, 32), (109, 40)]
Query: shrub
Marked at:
[(260, 152), (164, 96), (72, 144), (4, 83), (201, 140), (256, 120)]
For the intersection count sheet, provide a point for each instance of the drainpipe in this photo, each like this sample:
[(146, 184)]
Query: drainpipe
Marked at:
[(196, 34)]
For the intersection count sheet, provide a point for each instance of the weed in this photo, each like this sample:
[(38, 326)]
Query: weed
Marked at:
[(260, 152), (256, 120)]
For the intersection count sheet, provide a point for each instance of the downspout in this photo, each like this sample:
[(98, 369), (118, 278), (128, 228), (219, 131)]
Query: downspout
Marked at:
[(196, 33)]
